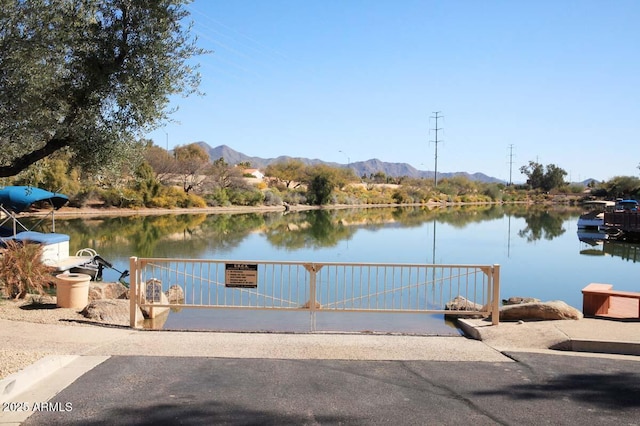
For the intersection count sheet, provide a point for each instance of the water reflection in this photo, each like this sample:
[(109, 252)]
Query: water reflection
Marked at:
[(536, 246), (190, 235), (547, 224), (597, 244)]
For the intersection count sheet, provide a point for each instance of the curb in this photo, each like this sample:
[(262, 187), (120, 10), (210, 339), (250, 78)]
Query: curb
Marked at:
[(605, 347), (610, 347), (468, 329), (22, 380)]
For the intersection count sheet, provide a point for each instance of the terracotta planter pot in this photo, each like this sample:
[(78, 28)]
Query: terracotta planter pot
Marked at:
[(72, 290)]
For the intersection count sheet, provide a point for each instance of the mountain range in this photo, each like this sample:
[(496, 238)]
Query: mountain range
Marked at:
[(360, 168)]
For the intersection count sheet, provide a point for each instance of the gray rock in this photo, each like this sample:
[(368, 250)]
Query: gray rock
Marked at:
[(175, 294), (553, 310), (112, 311), (519, 300), (460, 303), (98, 291)]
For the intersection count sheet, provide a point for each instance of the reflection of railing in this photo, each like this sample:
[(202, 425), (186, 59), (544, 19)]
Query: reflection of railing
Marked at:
[(308, 286)]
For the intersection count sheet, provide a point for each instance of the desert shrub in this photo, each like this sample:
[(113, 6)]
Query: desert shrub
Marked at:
[(493, 192), (294, 197), (246, 197), (272, 198), (191, 201), (123, 198), (218, 198), (401, 196), (81, 198), (22, 270), (172, 196)]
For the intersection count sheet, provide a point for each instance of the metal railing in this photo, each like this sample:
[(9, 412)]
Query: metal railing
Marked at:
[(311, 286)]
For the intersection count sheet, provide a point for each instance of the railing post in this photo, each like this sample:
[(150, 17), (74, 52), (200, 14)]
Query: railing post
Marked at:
[(133, 292), (495, 300), (312, 297), (313, 271)]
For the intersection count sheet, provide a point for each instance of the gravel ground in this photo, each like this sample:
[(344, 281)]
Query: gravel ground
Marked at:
[(43, 311)]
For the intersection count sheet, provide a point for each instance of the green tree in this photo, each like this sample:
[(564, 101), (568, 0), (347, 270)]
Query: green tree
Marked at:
[(221, 175), (146, 183), (321, 180), (379, 177), (287, 171), (535, 174), (553, 177), (192, 160), (622, 186), (539, 177), (164, 165), (88, 75)]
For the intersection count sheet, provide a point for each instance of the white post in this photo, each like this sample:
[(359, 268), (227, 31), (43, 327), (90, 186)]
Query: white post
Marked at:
[(133, 292), (495, 302)]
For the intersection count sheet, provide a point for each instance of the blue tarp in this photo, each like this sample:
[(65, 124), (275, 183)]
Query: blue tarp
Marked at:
[(19, 198)]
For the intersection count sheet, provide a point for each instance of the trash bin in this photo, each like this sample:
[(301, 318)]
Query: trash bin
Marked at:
[(72, 290)]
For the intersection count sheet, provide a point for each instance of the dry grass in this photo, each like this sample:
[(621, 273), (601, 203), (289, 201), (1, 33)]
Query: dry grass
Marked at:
[(22, 270)]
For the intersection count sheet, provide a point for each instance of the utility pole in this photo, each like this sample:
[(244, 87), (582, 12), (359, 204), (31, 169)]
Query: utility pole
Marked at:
[(510, 163), (435, 173), (348, 159)]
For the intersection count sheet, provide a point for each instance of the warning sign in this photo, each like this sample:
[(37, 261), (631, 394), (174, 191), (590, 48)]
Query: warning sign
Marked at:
[(244, 275)]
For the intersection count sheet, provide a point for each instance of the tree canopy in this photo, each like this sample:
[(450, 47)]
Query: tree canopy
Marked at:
[(89, 76), (539, 177)]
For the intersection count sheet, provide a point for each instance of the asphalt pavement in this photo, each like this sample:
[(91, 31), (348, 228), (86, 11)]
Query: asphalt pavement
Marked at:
[(530, 389), (505, 374)]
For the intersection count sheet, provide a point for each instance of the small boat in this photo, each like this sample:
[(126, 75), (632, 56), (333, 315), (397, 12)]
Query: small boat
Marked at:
[(593, 216), (626, 206), (18, 199), (592, 237), (94, 265)]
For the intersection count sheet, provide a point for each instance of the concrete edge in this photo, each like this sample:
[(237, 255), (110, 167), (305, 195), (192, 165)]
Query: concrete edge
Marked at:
[(34, 392), (571, 345), (20, 381), (605, 347), (469, 329)]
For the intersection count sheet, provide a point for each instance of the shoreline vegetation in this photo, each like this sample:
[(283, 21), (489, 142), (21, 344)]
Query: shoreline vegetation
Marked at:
[(146, 211)]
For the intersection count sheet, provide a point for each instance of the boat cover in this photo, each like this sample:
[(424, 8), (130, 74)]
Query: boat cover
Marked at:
[(19, 198)]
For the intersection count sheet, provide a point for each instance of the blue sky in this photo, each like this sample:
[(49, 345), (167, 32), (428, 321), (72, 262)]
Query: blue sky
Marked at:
[(352, 80)]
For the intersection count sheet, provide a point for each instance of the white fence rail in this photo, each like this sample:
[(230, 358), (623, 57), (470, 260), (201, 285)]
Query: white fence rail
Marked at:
[(311, 286)]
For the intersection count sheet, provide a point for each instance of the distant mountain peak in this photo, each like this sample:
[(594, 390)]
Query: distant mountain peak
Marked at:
[(361, 168)]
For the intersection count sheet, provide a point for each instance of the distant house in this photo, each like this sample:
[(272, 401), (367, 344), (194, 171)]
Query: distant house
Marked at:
[(254, 172)]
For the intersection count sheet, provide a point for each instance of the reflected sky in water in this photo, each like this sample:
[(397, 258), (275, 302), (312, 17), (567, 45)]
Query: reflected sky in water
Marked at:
[(538, 248)]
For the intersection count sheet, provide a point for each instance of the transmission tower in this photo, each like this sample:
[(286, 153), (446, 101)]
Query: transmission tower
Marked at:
[(510, 163), (435, 173)]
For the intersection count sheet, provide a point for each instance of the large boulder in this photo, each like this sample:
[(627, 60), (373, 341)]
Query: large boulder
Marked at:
[(553, 310), (98, 291), (112, 311), (460, 303)]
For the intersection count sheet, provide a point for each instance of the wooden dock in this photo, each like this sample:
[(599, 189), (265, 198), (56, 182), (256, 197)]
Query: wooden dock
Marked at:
[(628, 222)]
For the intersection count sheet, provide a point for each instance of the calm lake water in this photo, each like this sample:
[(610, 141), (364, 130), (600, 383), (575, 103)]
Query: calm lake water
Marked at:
[(538, 249)]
